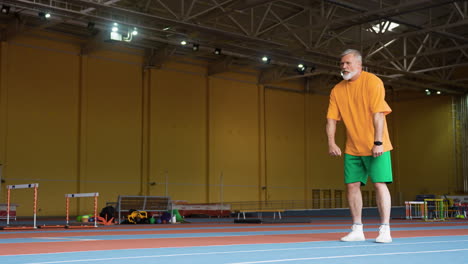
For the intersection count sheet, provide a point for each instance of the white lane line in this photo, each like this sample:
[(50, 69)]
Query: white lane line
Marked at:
[(235, 252), (352, 256)]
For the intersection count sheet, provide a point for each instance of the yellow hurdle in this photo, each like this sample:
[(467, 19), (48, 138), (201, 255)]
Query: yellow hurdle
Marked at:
[(435, 210)]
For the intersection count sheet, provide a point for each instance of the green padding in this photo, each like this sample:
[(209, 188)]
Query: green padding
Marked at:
[(179, 218)]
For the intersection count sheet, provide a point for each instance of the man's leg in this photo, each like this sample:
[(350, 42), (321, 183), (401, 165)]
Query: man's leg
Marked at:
[(381, 174), (355, 201), (355, 175), (384, 202), (384, 205), (355, 205)]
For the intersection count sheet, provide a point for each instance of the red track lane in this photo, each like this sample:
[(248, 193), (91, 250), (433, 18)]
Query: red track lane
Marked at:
[(253, 228), (74, 246)]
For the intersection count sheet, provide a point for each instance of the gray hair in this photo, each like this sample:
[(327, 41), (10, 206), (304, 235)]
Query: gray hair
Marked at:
[(356, 54)]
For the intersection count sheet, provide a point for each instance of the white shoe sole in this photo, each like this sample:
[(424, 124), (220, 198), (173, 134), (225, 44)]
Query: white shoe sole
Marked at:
[(352, 240), (383, 241)]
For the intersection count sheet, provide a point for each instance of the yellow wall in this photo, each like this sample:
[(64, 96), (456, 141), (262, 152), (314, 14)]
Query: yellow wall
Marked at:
[(178, 141), (325, 172), (424, 159), (102, 122), (110, 139), (285, 148), (41, 128), (233, 140)]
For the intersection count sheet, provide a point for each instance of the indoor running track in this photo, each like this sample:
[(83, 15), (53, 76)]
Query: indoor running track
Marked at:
[(315, 242)]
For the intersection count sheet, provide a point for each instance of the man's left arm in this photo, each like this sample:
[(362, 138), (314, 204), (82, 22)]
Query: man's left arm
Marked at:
[(378, 120)]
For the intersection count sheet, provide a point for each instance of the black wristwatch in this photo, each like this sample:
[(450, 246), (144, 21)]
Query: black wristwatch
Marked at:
[(378, 143)]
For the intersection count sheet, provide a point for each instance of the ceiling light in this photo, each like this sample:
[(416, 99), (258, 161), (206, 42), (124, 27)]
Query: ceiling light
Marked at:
[(44, 15), (439, 92), (195, 47), (115, 27), (166, 28), (301, 68), (135, 31), (183, 43), (217, 51), (266, 60), (5, 9)]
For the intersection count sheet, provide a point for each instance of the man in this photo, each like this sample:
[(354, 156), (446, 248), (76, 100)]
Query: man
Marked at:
[(359, 101)]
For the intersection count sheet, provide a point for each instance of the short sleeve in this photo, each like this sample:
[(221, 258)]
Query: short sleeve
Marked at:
[(377, 97), (333, 110)]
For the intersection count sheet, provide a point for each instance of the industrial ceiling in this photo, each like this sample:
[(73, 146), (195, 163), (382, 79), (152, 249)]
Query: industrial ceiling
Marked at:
[(414, 44)]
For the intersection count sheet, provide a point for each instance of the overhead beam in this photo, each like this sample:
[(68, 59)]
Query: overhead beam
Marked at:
[(223, 65), (392, 11), (157, 58), (365, 13), (441, 67), (82, 14), (155, 18), (384, 38), (238, 5), (94, 43), (428, 53), (272, 75), (362, 16), (14, 27)]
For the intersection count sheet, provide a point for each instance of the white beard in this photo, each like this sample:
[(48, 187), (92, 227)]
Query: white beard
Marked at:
[(348, 76)]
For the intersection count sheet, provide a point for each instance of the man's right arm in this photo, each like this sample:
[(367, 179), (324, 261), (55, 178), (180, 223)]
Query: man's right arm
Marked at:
[(333, 149)]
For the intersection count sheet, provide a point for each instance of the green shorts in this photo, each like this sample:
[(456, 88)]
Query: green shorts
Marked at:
[(358, 168)]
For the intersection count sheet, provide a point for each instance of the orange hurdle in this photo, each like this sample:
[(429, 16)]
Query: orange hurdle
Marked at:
[(22, 186)]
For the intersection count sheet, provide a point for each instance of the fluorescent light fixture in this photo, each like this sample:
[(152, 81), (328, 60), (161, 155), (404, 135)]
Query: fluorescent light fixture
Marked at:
[(116, 36)]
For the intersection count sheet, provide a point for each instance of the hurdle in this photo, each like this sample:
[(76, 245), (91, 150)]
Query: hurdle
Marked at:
[(79, 195), (415, 210), (22, 186), (436, 212), (427, 210)]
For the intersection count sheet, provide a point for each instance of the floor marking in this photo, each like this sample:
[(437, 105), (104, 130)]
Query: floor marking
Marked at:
[(352, 256), (264, 250)]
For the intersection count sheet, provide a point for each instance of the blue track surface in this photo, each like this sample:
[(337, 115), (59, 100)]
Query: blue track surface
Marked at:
[(423, 250), (414, 250)]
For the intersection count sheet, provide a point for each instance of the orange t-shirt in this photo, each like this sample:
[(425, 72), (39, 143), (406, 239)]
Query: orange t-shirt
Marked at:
[(355, 102)]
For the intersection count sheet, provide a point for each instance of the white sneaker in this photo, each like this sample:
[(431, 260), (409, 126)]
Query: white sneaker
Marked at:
[(357, 234), (384, 234)]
